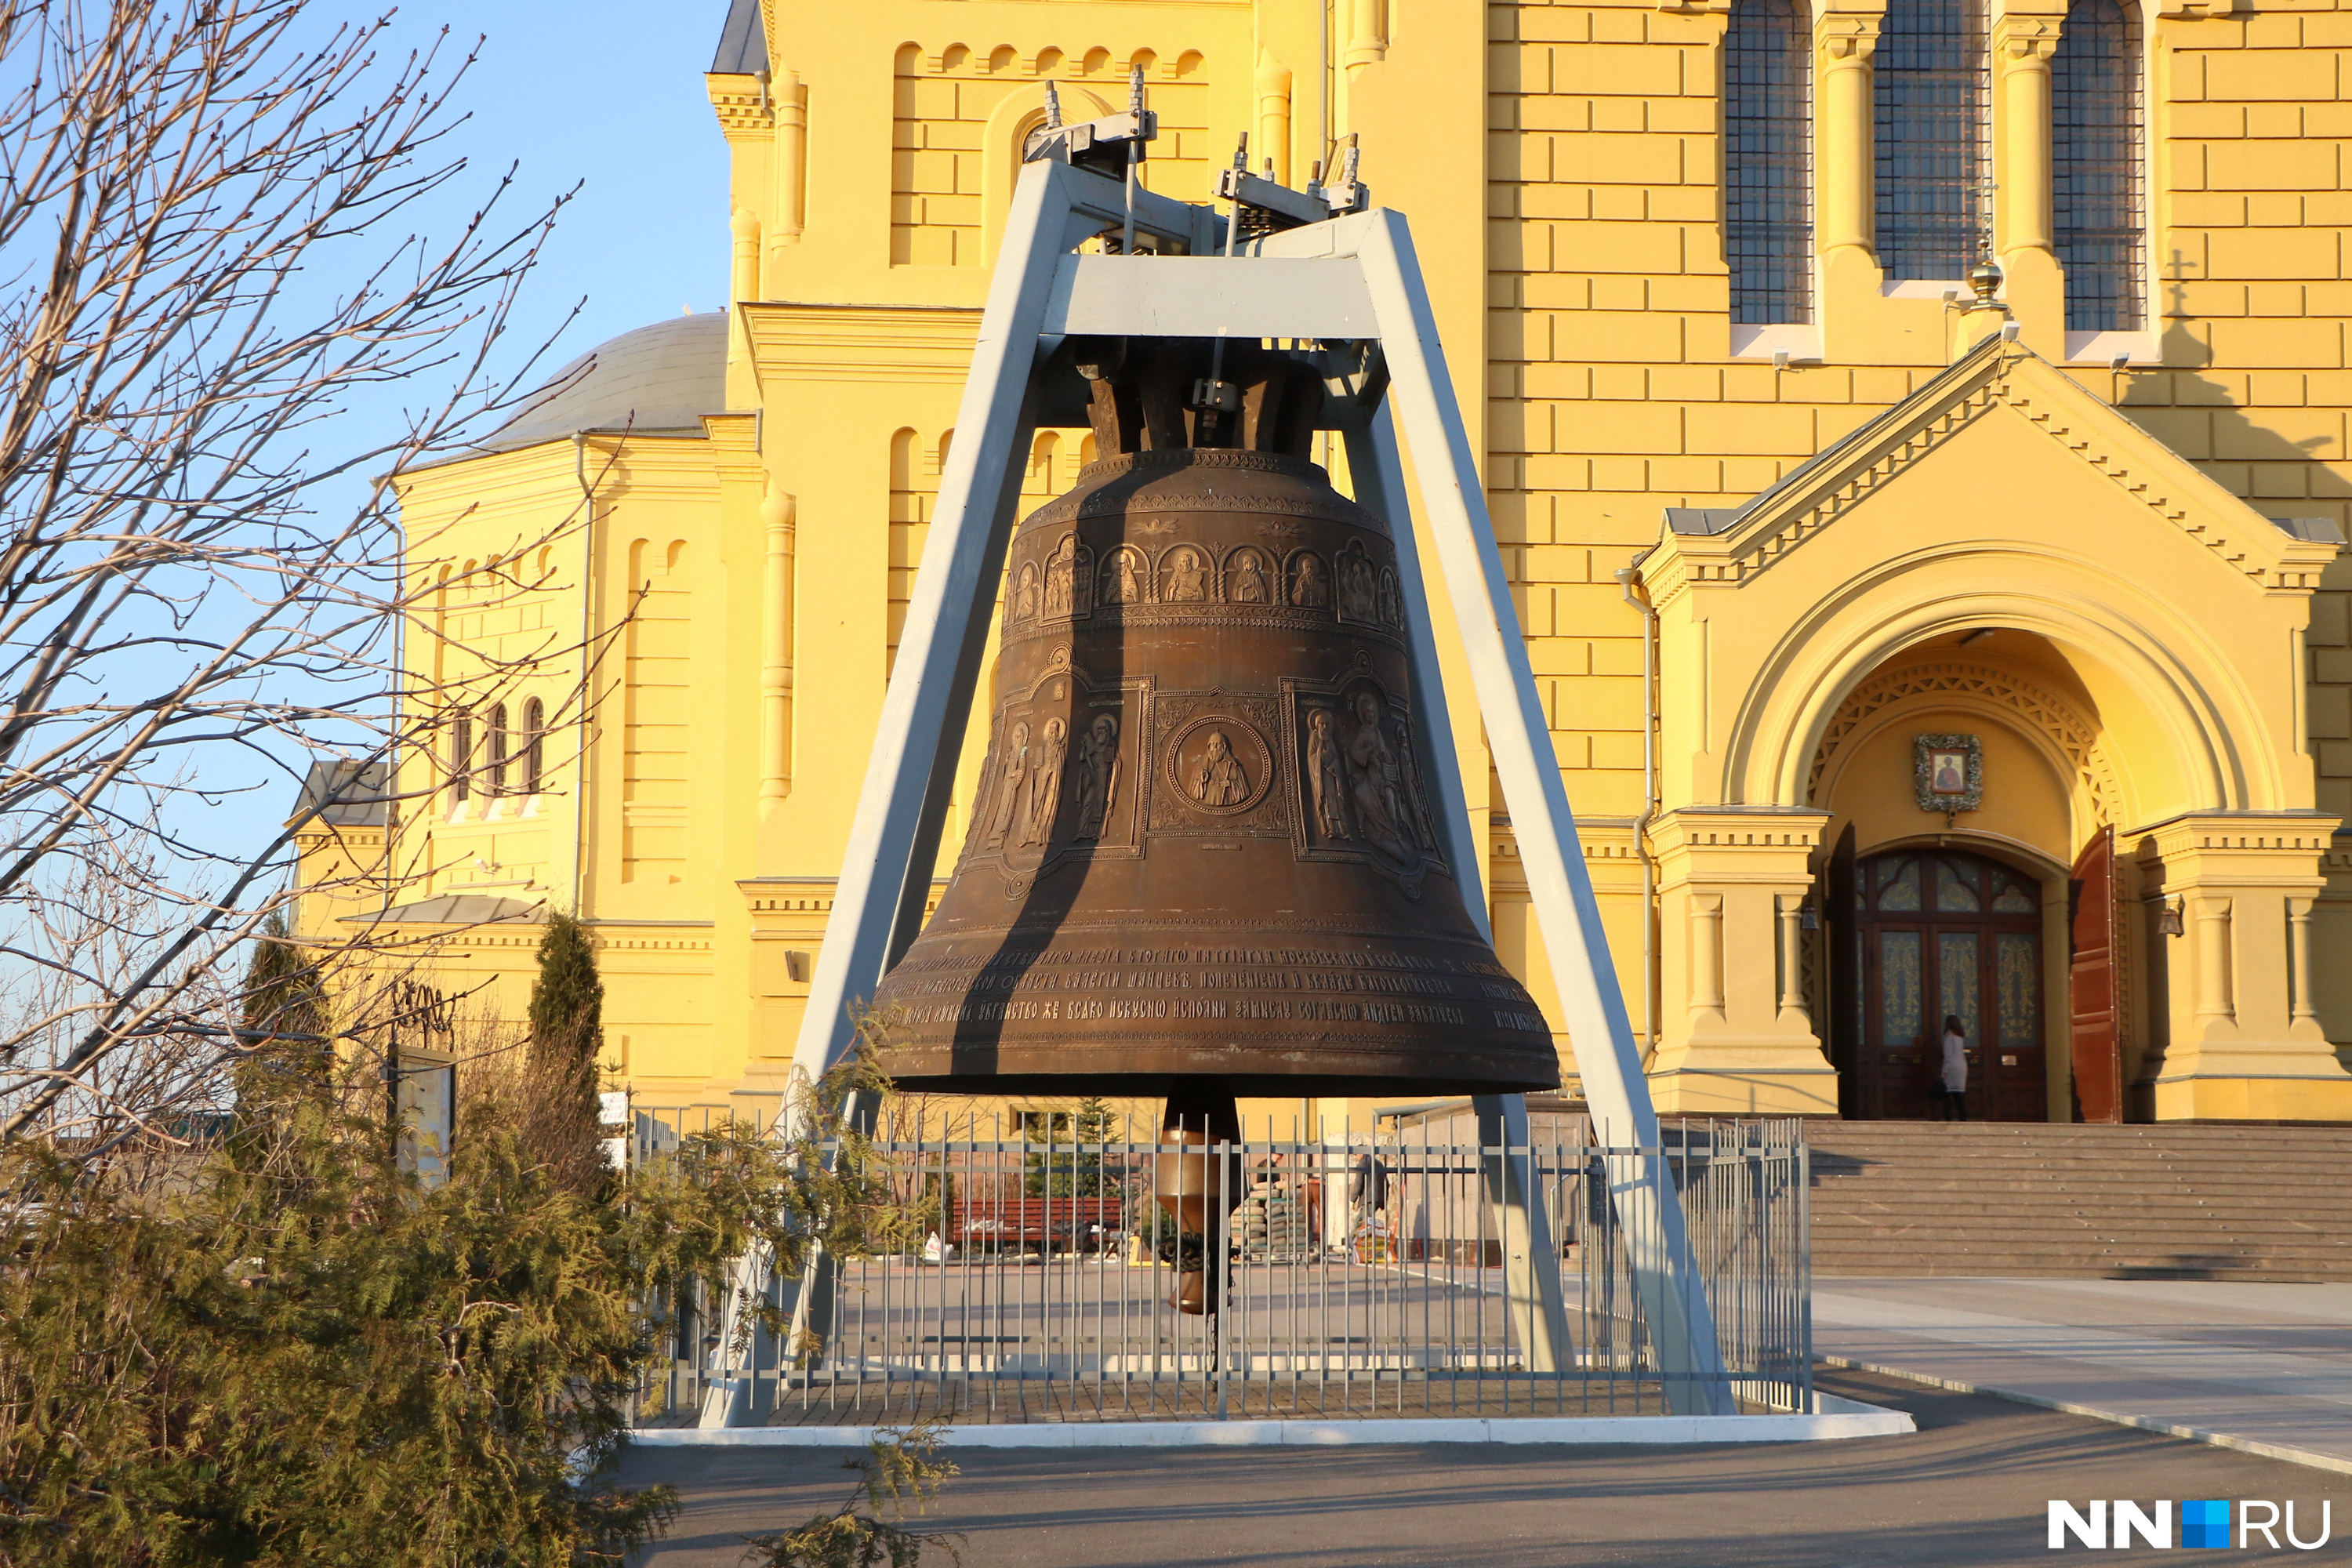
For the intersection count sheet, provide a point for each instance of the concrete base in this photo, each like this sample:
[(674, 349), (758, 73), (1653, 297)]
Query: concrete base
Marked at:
[(1800, 1086), (1836, 1418), (2269, 1099)]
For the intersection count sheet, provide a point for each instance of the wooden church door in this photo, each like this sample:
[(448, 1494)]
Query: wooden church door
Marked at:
[(2095, 1019), (1950, 935)]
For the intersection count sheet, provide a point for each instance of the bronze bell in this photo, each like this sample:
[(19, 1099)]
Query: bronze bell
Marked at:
[(1203, 855)]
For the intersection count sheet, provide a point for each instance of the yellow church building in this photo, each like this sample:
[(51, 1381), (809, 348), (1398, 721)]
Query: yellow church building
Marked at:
[(1908, 652)]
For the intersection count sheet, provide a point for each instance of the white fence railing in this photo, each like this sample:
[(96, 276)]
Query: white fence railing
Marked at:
[(1352, 1277)]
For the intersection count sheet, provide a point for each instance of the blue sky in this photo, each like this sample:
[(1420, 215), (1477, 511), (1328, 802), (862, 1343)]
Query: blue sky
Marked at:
[(608, 93)]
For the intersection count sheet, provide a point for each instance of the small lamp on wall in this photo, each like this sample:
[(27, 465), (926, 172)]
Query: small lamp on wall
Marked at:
[(2168, 919), (1808, 916)]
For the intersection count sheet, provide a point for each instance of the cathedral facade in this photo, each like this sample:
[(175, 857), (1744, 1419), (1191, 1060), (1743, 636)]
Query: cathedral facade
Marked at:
[(1915, 428)]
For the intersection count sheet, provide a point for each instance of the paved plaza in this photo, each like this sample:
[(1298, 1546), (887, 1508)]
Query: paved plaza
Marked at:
[(1968, 1490), (2267, 1368)]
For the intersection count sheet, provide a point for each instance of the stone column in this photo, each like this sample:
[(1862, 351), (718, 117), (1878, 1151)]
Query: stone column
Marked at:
[(1845, 216), (1272, 138), (777, 516), (1732, 1040), (2023, 43), (2229, 996), (1843, 167)]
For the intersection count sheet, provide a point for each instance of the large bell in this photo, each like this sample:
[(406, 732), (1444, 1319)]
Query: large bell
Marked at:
[(1203, 846)]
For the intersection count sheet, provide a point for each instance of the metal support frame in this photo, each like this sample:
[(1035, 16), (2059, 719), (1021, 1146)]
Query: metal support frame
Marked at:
[(1353, 280)]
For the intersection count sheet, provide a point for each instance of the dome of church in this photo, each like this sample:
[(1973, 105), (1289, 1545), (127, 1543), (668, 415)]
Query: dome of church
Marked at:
[(655, 380)]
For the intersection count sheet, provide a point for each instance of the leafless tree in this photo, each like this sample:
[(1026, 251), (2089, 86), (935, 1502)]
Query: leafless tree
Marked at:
[(206, 256)]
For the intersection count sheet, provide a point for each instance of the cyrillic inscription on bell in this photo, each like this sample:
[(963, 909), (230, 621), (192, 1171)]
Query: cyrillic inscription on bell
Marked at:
[(1203, 843)]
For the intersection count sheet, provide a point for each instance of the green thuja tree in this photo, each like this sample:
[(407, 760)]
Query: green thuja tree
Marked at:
[(1071, 1166), (567, 1037), (298, 1355)]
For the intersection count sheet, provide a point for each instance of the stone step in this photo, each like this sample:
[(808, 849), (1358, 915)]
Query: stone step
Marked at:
[(1945, 1198)]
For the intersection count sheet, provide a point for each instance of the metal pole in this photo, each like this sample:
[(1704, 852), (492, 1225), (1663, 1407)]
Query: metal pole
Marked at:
[(1530, 1262)]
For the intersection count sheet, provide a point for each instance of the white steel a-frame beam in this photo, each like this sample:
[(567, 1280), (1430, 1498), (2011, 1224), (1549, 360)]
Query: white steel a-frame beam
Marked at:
[(1355, 278)]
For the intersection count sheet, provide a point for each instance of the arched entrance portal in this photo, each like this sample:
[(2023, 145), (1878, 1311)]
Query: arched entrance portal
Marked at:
[(1942, 931)]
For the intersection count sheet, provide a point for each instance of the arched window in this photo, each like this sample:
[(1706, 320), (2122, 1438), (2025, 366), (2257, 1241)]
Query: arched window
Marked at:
[(1932, 148), (2096, 126), (1767, 143), (534, 745), (461, 756), (498, 739)]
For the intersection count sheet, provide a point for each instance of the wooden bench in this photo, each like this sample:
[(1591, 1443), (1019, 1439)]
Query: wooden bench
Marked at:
[(1068, 1224)]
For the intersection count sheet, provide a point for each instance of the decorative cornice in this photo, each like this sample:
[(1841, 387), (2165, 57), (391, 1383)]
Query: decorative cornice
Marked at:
[(2045, 709), (743, 109), (862, 343), (2196, 10), (2296, 833)]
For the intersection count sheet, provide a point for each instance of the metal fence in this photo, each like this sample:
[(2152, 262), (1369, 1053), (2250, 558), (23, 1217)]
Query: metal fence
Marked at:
[(1357, 1277)]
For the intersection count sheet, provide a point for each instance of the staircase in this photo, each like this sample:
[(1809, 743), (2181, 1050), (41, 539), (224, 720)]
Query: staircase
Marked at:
[(2132, 1203)]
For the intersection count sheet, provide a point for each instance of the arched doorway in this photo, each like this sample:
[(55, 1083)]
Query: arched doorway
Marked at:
[(1940, 932)]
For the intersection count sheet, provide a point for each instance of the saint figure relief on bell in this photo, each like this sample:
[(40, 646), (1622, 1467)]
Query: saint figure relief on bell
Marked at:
[(1009, 779), (1424, 827), (1309, 588), (1358, 584), (1188, 584), (1122, 583), (1096, 769), (1024, 595), (1249, 579), (1326, 775), (1375, 781), (1062, 578), (1045, 783), (1217, 778)]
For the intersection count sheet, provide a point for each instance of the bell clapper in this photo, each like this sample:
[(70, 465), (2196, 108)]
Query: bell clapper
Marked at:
[(1197, 1191)]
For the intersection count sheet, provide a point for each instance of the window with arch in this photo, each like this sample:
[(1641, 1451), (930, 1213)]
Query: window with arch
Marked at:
[(2098, 208), (1768, 147), (499, 740), (461, 756), (534, 745), (1933, 82)]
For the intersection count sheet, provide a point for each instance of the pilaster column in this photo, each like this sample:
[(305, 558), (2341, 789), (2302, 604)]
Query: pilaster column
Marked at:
[(1732, 1039), (777, 518), (2023, 39), (1792, 983), (2023, 46), (743, 276), (2227, 998), (2212, 938), (790, 108), (2298, 932), (1272, 82), (1847, 41)]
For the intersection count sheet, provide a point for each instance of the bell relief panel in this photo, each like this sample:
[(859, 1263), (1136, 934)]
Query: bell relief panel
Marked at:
[(1057, 780), (1362, 787)]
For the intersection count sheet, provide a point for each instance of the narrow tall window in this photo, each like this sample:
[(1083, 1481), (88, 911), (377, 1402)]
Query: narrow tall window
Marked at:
[(498, 738), (1932, 158), (2095, 191), (1767, 145), (534, 745), (461, 756)]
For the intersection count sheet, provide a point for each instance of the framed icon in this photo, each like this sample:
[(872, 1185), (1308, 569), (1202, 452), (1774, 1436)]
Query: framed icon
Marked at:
[(1949, 773)]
